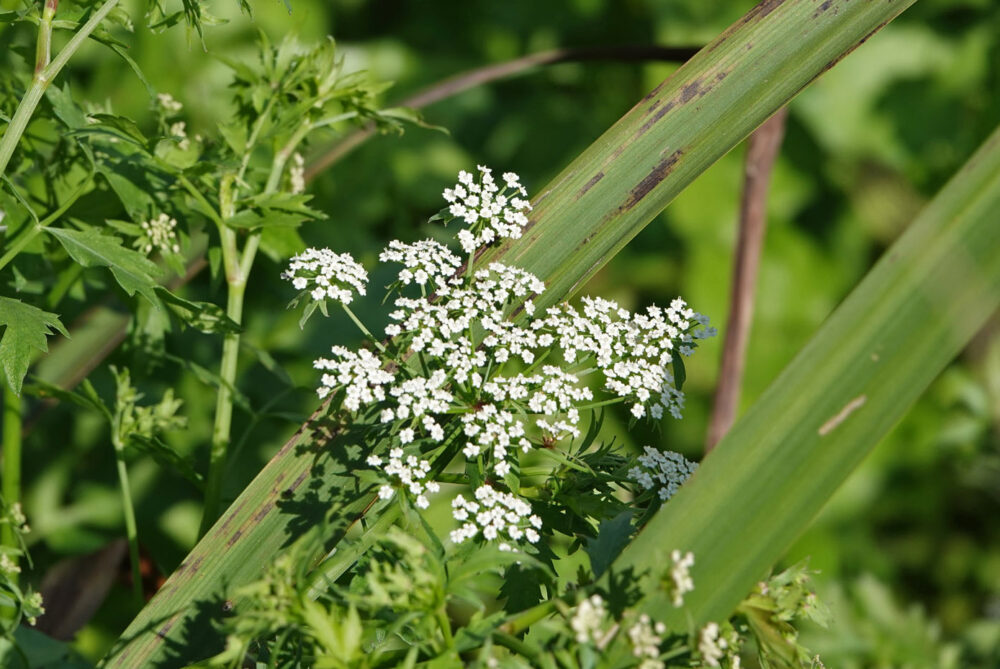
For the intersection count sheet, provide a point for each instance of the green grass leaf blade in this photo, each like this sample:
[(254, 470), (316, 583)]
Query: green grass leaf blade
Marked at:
[(881, 348)]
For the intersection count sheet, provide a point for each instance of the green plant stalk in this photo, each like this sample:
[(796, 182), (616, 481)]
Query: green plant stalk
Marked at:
[(599, 202), (39, 226), (45, 73), (236, 281), (131, 529), (238, 267), (11, 484), (20, 244), (223, 410)]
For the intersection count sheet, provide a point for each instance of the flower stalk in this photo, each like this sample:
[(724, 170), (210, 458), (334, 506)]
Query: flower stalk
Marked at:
[(45, 72), (11, 484)]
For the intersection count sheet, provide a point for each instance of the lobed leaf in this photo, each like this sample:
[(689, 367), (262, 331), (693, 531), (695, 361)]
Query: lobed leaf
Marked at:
[(133, 271), (26, 332)]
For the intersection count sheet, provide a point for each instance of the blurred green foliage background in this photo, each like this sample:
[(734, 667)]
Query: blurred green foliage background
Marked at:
[(909, 549)]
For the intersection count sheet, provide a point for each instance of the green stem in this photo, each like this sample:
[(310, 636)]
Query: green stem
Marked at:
[(19, 245), (39, 227), (361, 326), (131, 530), (445, 625), (11, 485), (45, 72), (341, 560), (223, 411)]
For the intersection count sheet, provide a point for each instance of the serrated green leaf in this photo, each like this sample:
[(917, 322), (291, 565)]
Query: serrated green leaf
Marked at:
[(65, 107), (117, 126), (202, 316), (612, 537), (87, 399), (26, 332), (133, 271)]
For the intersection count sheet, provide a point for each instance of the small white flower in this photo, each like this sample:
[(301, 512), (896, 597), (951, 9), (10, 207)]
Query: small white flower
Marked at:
[(588, 620), (680, 576), (495, 515), (335, 276), (169, 104), (410, 473), (492, 212), (645, 639)]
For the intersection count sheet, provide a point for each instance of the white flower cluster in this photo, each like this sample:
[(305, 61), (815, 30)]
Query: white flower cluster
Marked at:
[(588, 620), (714, 646), (455, 356), (411, 472), (169, 104), (359, 373), (495, 514), (326, 274), (665, 470), (633, 350), (158, 234), (645, 638), (491, 211), (681, 582), (424, 261)]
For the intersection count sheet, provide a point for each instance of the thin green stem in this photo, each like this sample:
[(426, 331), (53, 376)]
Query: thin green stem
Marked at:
[(131, 530), (514, 644), (341, 560), (223, 411), (11, 485), (445, 625), (40, 226), (202, 200), (361, 326), (45, 74), (20, 244)]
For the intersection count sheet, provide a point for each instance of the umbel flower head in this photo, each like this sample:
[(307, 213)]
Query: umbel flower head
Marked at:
[(490, 210), (459, 369), (327, 275)]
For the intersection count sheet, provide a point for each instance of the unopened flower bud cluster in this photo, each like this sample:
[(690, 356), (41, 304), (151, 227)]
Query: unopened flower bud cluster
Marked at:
[(158, 234), (455, 358), (663, 471), (717, 646)]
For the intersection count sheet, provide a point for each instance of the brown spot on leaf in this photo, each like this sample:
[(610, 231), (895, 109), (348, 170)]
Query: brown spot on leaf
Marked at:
[(297, 482), (660, 113), (590, 184), (651, 180), (262, 513), (233, 539), (691, 90)]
